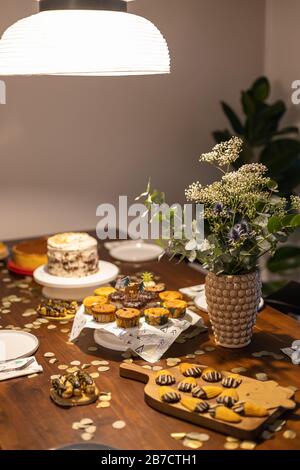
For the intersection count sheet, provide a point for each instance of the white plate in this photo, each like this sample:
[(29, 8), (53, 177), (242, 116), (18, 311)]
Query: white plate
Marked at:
[(17, 344), (136, 252), (200, 302), (107, 273)]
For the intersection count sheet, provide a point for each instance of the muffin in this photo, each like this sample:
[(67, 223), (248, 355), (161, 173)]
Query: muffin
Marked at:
[(170, 295), (177, 308), (131, 303), (117, 296), (156, 316), (106, 291), (103, 313), (127, 317), (89, 302), (159, 287)]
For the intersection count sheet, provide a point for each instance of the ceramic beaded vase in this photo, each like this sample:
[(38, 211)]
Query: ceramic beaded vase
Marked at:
[(232, 307)]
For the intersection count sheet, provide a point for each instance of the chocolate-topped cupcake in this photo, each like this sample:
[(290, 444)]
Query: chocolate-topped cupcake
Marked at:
[(133, 303), (117, 296), (148, 296)]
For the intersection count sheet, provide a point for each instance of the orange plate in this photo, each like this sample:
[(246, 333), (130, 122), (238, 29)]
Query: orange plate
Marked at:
[(18, 270)]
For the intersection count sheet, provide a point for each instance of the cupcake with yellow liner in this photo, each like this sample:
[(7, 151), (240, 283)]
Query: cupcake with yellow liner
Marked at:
[(170, 295), (104, 313), (177, 308), (150, 285), (89, 302), (128, 317), (105, 291), (157, 288), (156, 316)]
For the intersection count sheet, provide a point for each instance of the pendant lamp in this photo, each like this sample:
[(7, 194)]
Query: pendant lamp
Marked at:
[(83, 37)]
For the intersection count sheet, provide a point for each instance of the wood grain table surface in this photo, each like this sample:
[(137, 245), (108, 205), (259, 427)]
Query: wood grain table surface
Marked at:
[(29, 420)]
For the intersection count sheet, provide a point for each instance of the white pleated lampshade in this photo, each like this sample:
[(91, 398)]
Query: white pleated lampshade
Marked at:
[(83, 42)]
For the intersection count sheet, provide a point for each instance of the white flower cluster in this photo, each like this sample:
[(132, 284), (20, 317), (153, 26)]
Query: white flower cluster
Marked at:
[(295, 202), (224, 153)]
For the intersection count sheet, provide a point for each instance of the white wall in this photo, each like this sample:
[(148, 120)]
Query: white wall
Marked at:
[(282, 51), (68, 144)]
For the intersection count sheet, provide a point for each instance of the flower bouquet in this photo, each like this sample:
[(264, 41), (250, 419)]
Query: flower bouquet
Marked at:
[(244, 218)]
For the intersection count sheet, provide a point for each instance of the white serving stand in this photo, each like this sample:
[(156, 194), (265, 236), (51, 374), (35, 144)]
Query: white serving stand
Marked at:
[(70, 288), (109, 341)]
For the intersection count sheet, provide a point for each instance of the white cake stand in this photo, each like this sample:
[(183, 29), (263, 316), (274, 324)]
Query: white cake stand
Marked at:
[(109, 341), (71, 288)]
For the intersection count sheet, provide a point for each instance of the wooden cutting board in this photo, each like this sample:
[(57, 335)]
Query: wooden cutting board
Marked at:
[(268, 394)]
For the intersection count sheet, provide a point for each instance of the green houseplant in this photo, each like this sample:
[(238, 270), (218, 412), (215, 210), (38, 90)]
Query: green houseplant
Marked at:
[(266, 142), (245, 217)]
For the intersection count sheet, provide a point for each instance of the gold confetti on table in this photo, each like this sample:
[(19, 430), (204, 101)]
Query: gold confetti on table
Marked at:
[(196, 436), (103, 404), (94, 375), (178, 435), (49, 354), (75, 363), (119, 424), (192, 444), (289, 434), (231, 445), (262, 377), (248, 445)]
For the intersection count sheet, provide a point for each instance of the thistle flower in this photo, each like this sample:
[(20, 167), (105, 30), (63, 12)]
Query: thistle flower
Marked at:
[(224, 153), (234, 234), (238, 231), (245, 228), (218, 207)]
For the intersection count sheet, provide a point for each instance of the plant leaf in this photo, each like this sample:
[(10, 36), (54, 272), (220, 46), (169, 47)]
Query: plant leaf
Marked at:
[(274, 224), (285, 259), (248, 104), (233, 119), (261, 89)]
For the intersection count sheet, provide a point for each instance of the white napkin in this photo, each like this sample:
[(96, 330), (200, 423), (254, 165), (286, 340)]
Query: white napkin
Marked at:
[(149, 342), (33, 368)]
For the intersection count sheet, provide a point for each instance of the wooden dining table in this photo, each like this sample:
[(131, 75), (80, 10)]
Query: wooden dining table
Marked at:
[(30, 420)]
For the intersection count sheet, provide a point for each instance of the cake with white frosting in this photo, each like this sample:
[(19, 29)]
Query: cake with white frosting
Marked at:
[(72, 255)]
